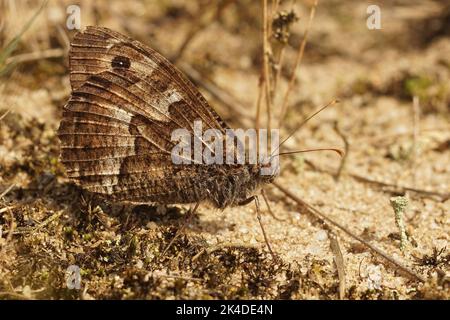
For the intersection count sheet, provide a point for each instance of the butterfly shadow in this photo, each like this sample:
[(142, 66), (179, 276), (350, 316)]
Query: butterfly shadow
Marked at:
[(86, 211)]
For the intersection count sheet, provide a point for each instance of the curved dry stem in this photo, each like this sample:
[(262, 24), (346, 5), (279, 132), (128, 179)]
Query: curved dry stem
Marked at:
[(298, 60)]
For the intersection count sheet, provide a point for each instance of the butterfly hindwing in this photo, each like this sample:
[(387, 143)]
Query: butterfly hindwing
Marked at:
[(116, 129)]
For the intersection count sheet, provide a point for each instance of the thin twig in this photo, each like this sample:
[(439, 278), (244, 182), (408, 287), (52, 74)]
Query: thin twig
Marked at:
[(222, 245), (416, 128), (284, 106), (203, 18), (64, 38), (2, 210), (266, 54), (5, 114), (50, 219), (402, 189), (7, 190), (25, 230), (174, 276), (386, 138), (37, 55), (258, 109), (321, 216), (398, 188), (230, 245), (347, 149), (273, 10), (279, 67)]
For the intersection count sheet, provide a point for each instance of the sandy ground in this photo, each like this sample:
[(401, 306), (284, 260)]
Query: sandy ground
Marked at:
[(222, 254)]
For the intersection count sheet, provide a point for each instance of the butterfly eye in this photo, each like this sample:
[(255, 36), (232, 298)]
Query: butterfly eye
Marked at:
[(120, 62)]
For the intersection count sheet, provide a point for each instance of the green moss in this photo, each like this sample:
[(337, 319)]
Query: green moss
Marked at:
[(418, 86)]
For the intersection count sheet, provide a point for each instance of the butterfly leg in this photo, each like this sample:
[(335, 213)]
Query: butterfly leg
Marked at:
[(187, 220), (263, 193), (258, 215)]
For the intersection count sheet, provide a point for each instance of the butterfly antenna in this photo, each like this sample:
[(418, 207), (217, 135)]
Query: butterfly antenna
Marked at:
[(332, 102), (340, 152), (329, 104)]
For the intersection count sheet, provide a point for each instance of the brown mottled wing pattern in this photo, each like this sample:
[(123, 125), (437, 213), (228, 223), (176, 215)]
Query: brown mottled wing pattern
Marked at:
[(115, 133)]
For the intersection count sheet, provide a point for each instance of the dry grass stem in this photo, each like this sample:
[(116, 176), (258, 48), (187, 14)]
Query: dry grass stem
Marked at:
[(324, 218), (345, 153), (298, 59)]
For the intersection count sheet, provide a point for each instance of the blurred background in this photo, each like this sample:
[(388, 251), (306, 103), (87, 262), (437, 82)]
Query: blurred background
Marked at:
[(392, 119)]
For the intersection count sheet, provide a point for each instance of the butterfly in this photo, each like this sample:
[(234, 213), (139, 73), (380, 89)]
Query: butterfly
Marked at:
[(116, 128)]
